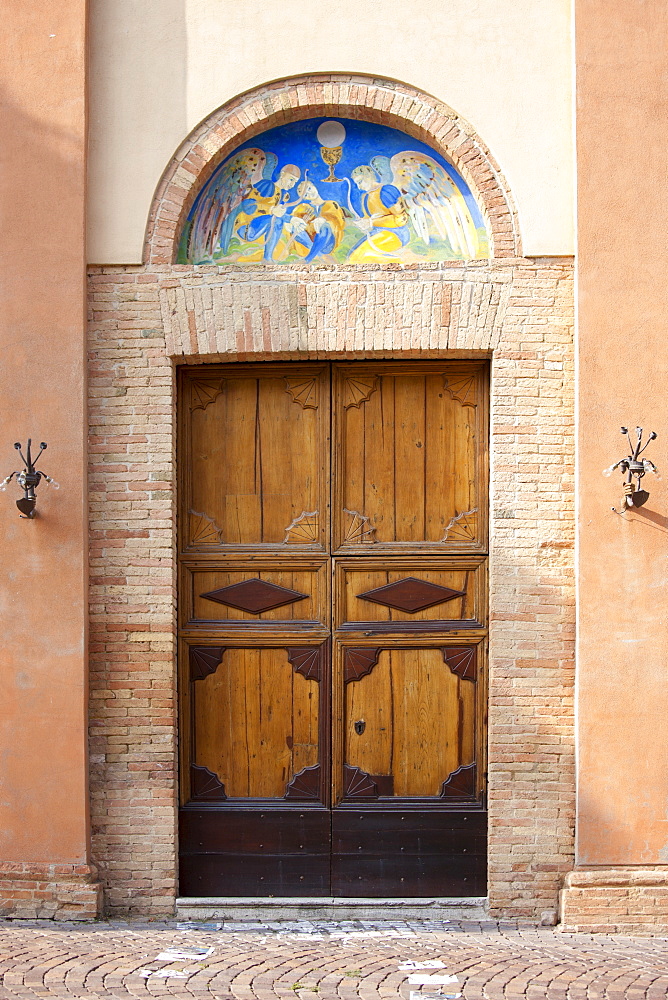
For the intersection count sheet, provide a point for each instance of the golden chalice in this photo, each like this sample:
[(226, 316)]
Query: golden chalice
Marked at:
[(331, 135), (331, 155)]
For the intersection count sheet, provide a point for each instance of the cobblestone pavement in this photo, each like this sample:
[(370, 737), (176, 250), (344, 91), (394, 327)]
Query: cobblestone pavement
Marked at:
[(310, 960)]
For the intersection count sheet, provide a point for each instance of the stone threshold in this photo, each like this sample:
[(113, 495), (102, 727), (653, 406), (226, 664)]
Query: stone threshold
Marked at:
[(332, 908)]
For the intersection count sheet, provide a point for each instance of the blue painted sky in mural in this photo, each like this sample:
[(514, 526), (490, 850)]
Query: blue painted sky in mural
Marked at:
[(394, 198)]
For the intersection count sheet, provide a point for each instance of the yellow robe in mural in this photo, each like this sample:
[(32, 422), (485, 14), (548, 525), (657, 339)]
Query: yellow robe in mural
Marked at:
[(385, 207)]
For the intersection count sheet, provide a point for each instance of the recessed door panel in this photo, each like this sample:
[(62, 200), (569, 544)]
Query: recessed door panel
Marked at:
[(255, 593), (256, 722), (257, 456), (410, 717), (411, 457), (402, 594)]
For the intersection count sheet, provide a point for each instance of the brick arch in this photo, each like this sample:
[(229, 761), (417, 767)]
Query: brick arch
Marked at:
[(339, 96)]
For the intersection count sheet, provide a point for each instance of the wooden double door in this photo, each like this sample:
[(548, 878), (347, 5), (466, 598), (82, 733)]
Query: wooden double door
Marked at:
[(332, 616)]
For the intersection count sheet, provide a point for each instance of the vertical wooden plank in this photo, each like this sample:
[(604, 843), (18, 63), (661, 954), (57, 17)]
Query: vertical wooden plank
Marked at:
[(279, 434), (338, 709), (273, 761), (214, 719), (466, 695), (229, 477), (438, 458), (305, 697), (349, 454), (450, 449), (409, 458), (203, 447), (465, 458), (371, 699), (244, 719), (325, 464), (482, 455), (187, 722), (379, 457), (454, 722)]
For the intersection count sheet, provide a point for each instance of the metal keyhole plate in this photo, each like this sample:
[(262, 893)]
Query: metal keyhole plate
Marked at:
[(360, 726)]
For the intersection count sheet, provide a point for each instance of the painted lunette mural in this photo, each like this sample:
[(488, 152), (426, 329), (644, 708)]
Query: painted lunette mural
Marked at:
[(337, 191)]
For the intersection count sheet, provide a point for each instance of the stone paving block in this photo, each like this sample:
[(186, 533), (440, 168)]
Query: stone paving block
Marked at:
[(320, 960)]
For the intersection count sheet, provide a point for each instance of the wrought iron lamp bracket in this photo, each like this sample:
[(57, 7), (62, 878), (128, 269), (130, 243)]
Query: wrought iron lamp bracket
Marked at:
[(633, 467), (28, 479)]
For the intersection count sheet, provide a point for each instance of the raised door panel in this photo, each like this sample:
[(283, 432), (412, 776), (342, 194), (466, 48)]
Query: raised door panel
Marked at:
[(255, 456), (399, 594), (409, 715), (255, 726), (288, 593), (411, 444)]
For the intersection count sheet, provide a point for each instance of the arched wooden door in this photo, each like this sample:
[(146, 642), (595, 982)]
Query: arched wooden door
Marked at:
[(332, 618)]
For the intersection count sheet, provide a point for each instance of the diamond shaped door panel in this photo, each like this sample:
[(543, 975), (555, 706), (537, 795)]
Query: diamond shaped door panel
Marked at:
[(261, 594), (411, 595), (254, 596), (400, 594)]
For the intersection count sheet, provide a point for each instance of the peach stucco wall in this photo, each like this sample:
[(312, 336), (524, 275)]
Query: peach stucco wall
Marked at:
[(622, 106), (43, 793)]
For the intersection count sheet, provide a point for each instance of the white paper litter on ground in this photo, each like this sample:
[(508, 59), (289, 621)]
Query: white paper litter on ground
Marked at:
[(351, 935), (418, 995), (424, 979), (191, 925), (183, 954), (167, 973), (301, 934), (432, 963)]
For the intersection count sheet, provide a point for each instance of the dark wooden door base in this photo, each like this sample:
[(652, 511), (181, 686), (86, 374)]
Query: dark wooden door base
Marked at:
[(408, 853), (248, 852), (348, 852)]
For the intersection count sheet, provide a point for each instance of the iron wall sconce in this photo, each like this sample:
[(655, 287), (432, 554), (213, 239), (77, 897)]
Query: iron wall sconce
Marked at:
[(634, 467), (28, 479)]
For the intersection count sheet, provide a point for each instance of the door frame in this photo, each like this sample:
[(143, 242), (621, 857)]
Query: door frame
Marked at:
[(334, 718)]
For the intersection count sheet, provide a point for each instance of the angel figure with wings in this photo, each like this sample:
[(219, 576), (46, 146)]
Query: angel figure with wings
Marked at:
[(221, 201), (405, 196), (243, 200)]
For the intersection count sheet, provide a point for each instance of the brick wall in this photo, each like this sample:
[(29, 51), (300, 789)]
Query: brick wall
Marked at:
[(44, 891), (616, 900), (142, 320), (132, 681)]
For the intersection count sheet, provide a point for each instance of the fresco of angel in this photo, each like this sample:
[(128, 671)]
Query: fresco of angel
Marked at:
[(226, 192), (333, 191), (408, 192)]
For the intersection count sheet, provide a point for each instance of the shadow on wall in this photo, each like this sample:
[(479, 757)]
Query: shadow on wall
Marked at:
[(652, 517)]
